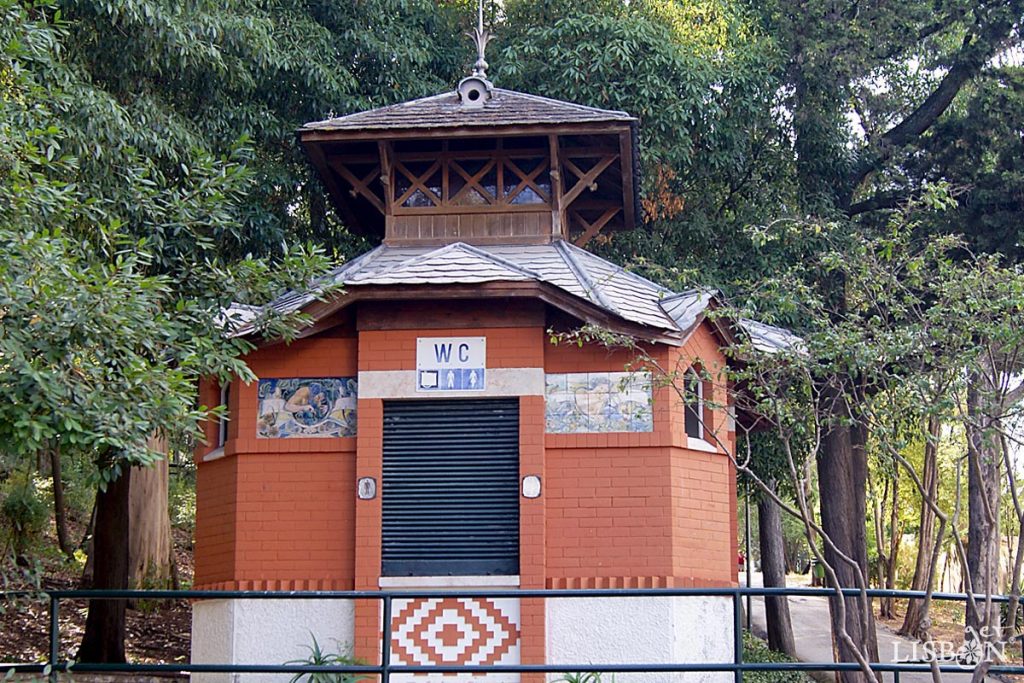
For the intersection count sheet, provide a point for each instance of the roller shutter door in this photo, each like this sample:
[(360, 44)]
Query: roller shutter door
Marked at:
[(451, 488)]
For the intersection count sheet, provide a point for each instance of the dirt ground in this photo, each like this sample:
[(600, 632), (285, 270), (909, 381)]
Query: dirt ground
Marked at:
[(156, 633)]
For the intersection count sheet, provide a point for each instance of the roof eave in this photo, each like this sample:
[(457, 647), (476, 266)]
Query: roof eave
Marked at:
[(575, 306), (326, 134)]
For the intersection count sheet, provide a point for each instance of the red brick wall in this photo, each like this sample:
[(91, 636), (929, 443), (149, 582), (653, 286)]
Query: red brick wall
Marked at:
[(290, 502), (702, 517), (368, 522), (216, 522), (609, 513), (641, 509), (532, 530), (510, 347), (616, 509), (296, 514)]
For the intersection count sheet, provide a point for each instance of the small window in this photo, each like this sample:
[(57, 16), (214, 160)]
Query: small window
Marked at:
[(694, 393), (222, 425)]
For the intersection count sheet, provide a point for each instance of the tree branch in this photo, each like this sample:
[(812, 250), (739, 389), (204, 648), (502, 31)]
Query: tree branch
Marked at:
[(977, 48), (882, 200)]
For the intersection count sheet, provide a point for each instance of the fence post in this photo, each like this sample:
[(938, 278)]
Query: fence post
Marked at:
[(385, 648), (54, 636), (737, 634)]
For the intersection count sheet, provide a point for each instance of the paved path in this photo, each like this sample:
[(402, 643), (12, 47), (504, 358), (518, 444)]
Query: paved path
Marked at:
[(813, 638)]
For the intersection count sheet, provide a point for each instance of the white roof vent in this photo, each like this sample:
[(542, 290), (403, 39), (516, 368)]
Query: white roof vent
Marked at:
[(474, 91)]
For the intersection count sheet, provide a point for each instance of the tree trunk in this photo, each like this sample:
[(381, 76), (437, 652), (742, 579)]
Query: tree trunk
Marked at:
[(59, 511), (103, 640), (877, 514), (916, 623), (149, 535), (87, 545), (1012, 608), (316, 195), (773, 569), (983, 489), (842, 485), (895, 535)]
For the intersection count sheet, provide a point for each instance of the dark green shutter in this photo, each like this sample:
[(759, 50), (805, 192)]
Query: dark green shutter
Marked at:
[(451, 487)]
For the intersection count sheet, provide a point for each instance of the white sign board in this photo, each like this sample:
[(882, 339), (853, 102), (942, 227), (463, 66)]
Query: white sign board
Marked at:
[(451, 363)]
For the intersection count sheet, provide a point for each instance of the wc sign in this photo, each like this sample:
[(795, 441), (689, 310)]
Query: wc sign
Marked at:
[(451, 363)]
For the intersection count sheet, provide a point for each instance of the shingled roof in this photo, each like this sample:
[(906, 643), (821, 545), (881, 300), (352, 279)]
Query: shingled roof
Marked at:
[(504, 108), (572, 270)]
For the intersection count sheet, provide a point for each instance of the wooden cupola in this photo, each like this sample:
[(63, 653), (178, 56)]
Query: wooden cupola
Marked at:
[(480, 165)]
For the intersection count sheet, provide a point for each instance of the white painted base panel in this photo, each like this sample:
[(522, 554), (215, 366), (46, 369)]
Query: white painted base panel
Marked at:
[(661, 630), (579, 631), (266, 632)]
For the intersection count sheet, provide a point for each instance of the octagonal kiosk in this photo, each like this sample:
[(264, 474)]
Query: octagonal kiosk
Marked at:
[(425, 433)]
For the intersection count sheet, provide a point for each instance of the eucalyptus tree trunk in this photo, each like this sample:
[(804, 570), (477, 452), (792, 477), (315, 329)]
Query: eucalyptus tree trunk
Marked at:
[(882, 562), (149, 536), (842, 482), (103, 640), (916, 623), (773, 570), (983, 499), (60, 513), (895, 535)]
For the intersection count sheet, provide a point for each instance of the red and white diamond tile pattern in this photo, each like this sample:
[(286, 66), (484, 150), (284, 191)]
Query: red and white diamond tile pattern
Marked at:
[(455, 631)]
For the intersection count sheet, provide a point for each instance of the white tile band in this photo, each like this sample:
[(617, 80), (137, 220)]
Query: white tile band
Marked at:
[(500, 382)]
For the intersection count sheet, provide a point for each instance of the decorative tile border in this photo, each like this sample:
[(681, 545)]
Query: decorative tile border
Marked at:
[(455, 631), (598, 402), (292, 408)]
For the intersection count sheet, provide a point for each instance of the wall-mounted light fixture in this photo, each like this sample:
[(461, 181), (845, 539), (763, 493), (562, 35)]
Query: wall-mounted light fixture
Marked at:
[(531, 486), (366, 489)]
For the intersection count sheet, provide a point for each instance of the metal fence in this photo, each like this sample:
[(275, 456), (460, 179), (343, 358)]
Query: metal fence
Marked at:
[(386, 668)]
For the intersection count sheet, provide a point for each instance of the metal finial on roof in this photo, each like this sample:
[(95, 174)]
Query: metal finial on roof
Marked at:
[(475, 89), (481, 37)]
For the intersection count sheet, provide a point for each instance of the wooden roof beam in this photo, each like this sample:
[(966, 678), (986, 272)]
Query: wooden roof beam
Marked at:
[(590, 230), (360, 186), (588, 179)]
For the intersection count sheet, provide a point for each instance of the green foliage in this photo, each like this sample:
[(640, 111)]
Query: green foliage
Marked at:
[(319, 657), (911, 319), (702, 79), (768, 455), (202, 75), (980, 151), (797, 554), (588, 677), (756, 650), (182, 492), (24, 575), (118, 255), (24, 511), (79, 487)]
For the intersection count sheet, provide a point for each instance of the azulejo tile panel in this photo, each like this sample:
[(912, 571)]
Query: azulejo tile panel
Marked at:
[(455, 631), (584, 402), (303, 408)]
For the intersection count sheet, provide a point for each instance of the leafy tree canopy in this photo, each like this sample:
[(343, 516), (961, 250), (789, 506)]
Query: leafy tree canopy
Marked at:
[(702, 78), (112, 288), (160, 79)]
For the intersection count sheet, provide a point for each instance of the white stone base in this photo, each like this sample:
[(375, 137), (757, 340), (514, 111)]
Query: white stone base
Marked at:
[(267, 632), (659, 630)]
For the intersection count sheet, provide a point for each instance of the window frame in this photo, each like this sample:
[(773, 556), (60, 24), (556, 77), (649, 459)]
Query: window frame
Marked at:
[(225, 416), (692, 377)]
